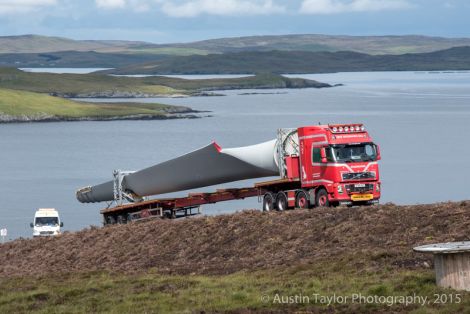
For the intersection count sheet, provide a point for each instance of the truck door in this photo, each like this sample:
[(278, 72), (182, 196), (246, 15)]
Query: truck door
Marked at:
[(318, 167)]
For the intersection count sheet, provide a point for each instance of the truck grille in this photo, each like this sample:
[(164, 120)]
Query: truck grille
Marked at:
[(46, 232), (359, 188), (358, 175)]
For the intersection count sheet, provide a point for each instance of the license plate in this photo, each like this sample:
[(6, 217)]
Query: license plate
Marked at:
[(362, 197), (360, 185)]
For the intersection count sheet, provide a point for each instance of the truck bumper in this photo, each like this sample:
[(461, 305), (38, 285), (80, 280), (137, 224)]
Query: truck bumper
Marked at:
[(352, 203)]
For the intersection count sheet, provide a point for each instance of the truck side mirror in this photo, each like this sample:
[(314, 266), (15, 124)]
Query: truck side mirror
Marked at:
[(31, 225), (61, 224), (323, 155), (377, 147)]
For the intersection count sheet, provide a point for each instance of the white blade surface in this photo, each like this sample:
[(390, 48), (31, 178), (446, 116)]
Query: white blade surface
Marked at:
[(206, 166)]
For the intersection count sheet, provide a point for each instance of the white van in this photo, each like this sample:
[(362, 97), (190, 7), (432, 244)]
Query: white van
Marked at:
[(46, 222)]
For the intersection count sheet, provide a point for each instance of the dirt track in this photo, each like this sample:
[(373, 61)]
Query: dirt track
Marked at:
[(372, 236)]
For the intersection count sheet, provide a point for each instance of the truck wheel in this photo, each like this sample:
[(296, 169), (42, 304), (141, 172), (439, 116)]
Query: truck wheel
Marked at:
[(268, 202), (301, 200), (321, 199), (281, 201)]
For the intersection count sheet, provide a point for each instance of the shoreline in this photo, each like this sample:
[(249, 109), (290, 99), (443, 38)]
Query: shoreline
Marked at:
[(192, 114), (132, 95)]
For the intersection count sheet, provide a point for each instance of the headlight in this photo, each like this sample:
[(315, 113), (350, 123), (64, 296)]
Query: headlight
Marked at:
[(340, 189)]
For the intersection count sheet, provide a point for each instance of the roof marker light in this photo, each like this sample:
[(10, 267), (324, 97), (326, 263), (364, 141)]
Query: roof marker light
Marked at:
[(346, 129), (335, 129), (358, 128), (340, 129), (362, 128)]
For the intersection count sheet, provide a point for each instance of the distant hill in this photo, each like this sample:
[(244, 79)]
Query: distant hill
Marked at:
[(73, 59), (107, 86), (303, 62), (302, 42), (278, 54), (314, 42), (38, 44)]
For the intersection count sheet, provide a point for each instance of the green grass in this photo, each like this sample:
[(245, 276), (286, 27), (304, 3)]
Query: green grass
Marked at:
[(155, 293), (102, 85), (73, 84), (16, 103)]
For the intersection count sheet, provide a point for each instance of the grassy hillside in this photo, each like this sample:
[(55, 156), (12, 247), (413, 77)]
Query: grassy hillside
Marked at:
[(27, 106), (167, 51), (101, 85), (316, 42), (239, 263), (39, 44), (43, 51), (299, 42), (303, 62), (72, 59)]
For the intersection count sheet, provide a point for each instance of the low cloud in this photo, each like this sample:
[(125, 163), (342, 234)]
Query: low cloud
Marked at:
[(110, 4), (193, 8), (135, 5), (344, 6), (20, 6)]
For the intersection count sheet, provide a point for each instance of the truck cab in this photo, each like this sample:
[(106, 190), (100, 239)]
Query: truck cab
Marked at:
[(324, 165), (46, 222), (340, 163)]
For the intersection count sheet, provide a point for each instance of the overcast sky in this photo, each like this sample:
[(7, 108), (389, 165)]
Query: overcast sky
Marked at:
[(163, 21)]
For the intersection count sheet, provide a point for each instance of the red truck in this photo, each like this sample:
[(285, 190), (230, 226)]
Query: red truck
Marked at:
[(320, 165)]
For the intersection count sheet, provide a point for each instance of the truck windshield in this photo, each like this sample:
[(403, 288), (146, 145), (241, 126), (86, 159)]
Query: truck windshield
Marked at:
[(47, 221), (353, 153)]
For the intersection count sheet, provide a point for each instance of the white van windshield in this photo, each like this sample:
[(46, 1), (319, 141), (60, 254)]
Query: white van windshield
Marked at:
[(47, 221)]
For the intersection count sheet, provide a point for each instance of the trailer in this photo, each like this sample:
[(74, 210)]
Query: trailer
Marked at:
[(317, 166), (172, 208)]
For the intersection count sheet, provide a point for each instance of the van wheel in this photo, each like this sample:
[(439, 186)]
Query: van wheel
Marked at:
[(301, 200), (268, 202), (321, 199), (281, 201)]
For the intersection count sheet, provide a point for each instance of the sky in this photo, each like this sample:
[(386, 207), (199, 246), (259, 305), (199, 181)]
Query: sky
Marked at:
[(169, 21)]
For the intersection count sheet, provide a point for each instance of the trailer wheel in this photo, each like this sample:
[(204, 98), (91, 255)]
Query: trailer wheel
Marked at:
[(321, 199), (281, 201), (110, 220), (120, 219), (268, 202), (301, 200)]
